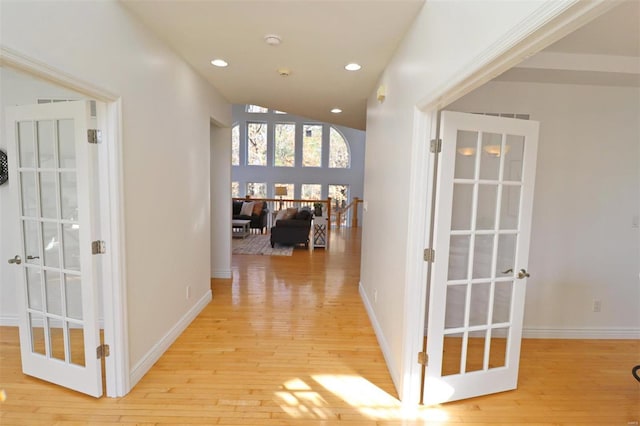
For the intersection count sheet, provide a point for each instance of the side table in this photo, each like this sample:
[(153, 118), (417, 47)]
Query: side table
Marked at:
[(320, 232)]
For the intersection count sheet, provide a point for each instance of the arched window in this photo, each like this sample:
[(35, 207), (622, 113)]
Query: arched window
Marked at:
[(339, 157)]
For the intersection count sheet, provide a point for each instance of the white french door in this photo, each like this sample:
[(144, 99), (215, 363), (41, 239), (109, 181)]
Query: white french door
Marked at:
[(481, 239), (51, 178)]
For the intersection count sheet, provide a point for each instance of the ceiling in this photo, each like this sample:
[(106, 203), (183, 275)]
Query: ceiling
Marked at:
[(319, 37), (605, 52)]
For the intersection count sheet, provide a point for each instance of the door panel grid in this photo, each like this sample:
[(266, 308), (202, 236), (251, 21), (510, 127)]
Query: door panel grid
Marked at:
[(482, 227), (58, 326)]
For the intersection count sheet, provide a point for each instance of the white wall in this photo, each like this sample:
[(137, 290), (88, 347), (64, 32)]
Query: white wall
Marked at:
[(440, 47), (166, 111), (220, 201), (298, 175), (584, 244), (16, 88)]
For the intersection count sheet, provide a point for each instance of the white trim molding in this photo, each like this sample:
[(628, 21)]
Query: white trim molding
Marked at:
[(549, 23), (150, 358), (580, 333), (9, 321), (384, 346)]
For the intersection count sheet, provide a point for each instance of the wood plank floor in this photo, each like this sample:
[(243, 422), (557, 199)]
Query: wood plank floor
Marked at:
[(288, 342)]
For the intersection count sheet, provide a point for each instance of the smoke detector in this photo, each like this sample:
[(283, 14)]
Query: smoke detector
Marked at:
[(284, 72), (272, 39)]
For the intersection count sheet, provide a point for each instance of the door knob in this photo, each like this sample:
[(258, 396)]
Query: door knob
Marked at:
[(523, 274), (17, 260)]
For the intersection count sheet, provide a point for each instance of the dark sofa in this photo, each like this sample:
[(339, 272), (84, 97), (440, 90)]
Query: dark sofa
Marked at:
[(294, 230), (258, 221)]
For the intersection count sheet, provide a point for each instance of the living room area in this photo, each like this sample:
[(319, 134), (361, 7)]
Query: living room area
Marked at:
[(295, 181)]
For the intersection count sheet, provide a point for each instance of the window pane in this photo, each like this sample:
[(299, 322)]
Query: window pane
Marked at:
[(312, 145), (311, 191), (235, 189), (257, 190), (257, 144), (339, 194), (338, 150), (235, 145), (256, 108), (285, 145), (288, 186)]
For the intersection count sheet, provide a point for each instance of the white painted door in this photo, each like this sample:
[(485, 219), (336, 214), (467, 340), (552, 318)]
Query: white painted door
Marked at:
[(51, 177), (481, 240)]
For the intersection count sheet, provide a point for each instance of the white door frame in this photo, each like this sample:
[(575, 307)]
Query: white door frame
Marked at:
[(552, 21), (112, 218)]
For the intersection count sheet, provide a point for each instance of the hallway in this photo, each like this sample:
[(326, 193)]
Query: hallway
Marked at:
[(288, 342)]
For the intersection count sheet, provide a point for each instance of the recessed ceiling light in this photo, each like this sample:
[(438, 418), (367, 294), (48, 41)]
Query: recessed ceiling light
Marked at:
[(219, 63), (272, 39), (352, 67), (336, 110)]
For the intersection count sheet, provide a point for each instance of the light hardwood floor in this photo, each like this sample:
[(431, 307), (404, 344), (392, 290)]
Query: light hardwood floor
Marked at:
[(288, 342)]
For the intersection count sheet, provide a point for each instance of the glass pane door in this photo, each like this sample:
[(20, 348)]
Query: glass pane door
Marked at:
[(481, 237), (58, 325)]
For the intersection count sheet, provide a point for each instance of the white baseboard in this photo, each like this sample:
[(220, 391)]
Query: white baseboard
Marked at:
[(222, 273), (384, 346), (581, 333), (9, 321), (145, 364)]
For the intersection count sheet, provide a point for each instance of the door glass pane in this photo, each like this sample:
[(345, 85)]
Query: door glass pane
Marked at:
[(46, 144), (68, 196), (66, 142), (461, 213), (506, 253), (76, 344), (36, 322), (487, 196), (54, 292), (482, 255), (71, 235), (458, 257), (466, 146), (475, 351), (28, 193), (510, 209), (454, 312), (48, 195), (514, 153), (56, 338), (479, 304), (26, 145), (451, 354), (490, 159), (498, 348), (34, 289), (73, 295), (51, 243), (502, 302), (31, 245)]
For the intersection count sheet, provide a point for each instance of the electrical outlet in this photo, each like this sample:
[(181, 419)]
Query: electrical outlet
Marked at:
[(597, 305), (188, 292)]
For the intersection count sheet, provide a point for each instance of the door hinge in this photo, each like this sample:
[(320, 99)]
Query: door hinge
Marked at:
[(94, 136), (102, 351), (436, 145), (423, 358), (98, 247), (429, 255)]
